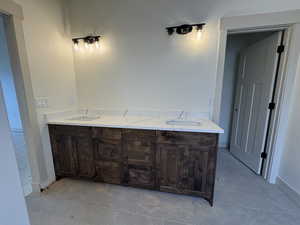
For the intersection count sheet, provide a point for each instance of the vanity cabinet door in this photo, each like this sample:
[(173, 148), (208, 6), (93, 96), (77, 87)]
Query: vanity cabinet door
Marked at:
[(170, 162), (64, 155), (186, 169), (72, 151), (183, 168), (85, 158), (203, 169)]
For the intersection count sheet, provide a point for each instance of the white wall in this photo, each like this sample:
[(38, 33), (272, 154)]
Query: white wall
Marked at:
[(50, 53), (290, 167), (7, 82), (12, 205), (50, 56), (140, 66)]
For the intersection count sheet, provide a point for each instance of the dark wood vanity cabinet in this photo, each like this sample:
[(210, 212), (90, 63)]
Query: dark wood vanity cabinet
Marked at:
[(72, 151), (176, 162)]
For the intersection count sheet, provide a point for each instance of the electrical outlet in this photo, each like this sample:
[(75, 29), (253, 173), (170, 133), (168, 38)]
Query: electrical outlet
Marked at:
[(42, 103)]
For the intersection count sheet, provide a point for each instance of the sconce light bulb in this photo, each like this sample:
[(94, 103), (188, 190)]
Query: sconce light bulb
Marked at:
[(91, 47), (199, 34), (87, 46), (97, 44), (76, 47), (76, 44)]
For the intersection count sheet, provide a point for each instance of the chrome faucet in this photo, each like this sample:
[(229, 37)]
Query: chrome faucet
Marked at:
[(180, 117), (125, 113)]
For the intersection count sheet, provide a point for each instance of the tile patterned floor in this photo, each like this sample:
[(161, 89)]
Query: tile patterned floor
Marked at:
[(22, 160), (242, 198)]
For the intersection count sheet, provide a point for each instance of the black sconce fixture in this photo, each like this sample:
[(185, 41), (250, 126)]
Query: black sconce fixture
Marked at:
[(185, 28), (88, 41)]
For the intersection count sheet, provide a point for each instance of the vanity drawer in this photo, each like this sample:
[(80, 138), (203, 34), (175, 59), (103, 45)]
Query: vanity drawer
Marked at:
[(112, 133), (107, 133), (140, 176), (140, 152), (173, 137), (134, 134), (107, 149), (77, 131)]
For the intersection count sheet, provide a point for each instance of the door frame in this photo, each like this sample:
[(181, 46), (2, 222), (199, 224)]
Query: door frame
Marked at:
[(289, 20), (24, 91)]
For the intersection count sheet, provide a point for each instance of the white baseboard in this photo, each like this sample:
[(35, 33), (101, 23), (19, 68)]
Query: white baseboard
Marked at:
[(293, 194), (223, 145), (36, 187)]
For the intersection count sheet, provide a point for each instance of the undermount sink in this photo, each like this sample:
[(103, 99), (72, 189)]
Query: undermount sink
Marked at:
[(85, 118), (183, 123)]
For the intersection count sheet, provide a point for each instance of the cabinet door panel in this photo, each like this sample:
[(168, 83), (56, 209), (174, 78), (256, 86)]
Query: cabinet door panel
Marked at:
[(182, 168), (85, 158), (169, 166), (109, 172), (64, 155), (201, 170), (186, 173), (205, 167)]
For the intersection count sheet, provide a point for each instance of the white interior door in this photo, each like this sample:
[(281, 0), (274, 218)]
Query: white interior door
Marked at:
[(256, 76)]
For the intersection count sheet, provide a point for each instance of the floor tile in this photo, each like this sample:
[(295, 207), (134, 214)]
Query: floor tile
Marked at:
[(241, 197), (124, 218)]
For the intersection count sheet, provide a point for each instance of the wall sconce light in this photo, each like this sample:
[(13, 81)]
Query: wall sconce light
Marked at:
[(88, 41), (186, 28)]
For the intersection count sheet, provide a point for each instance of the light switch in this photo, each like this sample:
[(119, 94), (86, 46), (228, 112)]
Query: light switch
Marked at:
[(42, 103)]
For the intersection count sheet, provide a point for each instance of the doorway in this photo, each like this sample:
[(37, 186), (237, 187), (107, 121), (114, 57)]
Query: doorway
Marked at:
[(251, 73), (13, 111)]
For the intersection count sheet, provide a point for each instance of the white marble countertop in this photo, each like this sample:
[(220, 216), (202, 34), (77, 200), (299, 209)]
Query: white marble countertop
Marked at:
[(137, 122)]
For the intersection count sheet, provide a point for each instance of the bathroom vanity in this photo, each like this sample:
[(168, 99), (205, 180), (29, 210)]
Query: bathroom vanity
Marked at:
[(178, 162)]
